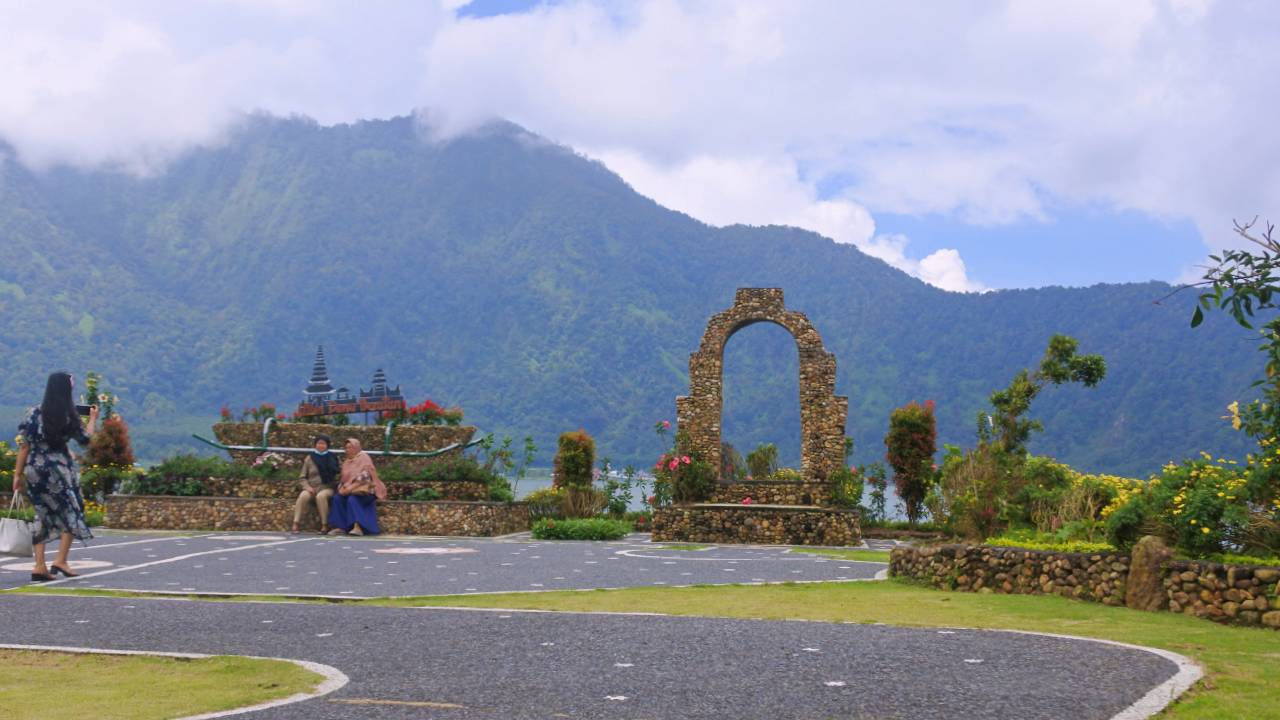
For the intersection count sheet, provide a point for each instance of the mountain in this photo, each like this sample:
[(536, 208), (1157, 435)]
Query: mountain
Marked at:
[(533, 287)]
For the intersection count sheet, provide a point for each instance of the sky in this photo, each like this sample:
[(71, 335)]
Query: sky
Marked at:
[(976, 145)]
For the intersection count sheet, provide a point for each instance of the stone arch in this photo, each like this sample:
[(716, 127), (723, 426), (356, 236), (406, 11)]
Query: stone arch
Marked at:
[(822, 412)]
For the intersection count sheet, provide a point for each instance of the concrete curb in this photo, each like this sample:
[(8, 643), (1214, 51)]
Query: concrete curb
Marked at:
[(334, 678)]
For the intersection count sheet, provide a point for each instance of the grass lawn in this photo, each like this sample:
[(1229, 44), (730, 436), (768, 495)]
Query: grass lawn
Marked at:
[(881, 556), (1240, 663), (37, 685)]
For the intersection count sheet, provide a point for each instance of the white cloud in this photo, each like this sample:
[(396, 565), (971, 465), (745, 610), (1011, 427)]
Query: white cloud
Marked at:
[(813, 113)]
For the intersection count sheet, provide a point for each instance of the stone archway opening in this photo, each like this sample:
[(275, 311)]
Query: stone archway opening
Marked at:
[(761, 399), (822, 413)]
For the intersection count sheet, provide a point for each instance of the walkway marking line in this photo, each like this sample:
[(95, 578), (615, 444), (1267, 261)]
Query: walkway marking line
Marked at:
[(683, 555), (400, 703), (165, 561), (88, 548), (334, 678)]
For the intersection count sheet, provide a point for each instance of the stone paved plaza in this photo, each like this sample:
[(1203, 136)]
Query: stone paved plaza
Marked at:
[(458, 663)]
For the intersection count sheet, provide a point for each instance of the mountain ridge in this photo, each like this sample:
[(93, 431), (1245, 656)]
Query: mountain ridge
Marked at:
[(534, 287)]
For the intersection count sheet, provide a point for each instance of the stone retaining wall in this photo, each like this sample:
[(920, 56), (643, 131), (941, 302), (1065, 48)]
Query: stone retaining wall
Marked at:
[(1244, 595), (289, 488), (773, 492), (756, 524), (1237, 594), (1099, 576), (155, 512), (417, 438)]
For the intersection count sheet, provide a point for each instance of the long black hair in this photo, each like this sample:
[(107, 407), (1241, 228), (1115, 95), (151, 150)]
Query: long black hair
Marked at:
[(58, 414)]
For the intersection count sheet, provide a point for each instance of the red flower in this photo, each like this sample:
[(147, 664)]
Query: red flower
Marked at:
[(685, 459), (666, 424), (746, 501)]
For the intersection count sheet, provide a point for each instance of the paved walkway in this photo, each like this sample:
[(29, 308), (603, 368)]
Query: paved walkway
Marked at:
[(294, 565), (435, 663)]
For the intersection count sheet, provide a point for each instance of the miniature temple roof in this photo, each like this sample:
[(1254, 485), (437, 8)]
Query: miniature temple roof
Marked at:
[(319, 384)]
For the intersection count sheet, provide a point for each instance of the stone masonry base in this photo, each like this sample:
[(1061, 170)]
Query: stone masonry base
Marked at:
[(756, 524), (154, 512)]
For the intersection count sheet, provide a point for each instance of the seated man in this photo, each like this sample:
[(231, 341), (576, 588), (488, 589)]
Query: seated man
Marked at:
[(319, 481)]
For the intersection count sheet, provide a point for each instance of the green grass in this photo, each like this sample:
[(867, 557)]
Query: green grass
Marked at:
[(1239, 662), (106, 687), (881, 556)]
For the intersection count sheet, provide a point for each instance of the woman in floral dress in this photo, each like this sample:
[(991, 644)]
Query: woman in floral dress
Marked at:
[(47, 471)]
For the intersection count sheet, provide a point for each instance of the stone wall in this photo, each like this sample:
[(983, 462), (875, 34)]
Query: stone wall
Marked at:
[(756, 524), (1099, 576), (1244, 595), (822, 412), (154, 512), (773, 492), (289, 488), (415, 438), (1236, 594)]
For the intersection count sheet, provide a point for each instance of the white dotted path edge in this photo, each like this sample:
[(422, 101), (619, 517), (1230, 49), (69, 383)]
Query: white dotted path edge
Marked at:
[(334, 678)]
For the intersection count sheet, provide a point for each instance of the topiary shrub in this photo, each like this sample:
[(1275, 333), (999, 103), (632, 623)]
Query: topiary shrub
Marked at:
[(110, 445), (581, 529), (575, 459), (911, 443)]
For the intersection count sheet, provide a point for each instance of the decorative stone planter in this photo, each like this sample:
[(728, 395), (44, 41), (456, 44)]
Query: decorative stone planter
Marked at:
[(774, 492), (756, 524), (156, 512), (413, 438)]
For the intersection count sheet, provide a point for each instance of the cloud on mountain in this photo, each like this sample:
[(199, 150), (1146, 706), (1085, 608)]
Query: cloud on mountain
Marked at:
[(814, 114)]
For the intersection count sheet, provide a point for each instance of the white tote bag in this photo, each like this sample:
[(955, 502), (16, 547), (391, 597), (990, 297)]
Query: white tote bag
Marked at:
[(15, 535)]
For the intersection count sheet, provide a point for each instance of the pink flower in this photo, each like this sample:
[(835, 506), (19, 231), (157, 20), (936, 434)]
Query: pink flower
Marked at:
[(685, 459), (666, 424), (747, 501), (674, 464)]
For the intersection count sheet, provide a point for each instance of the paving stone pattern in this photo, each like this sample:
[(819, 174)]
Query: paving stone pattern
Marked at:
[(284, 564), (433, 663)]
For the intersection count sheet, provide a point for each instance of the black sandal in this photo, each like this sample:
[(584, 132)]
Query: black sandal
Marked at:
[(66, 573), (41, 577)]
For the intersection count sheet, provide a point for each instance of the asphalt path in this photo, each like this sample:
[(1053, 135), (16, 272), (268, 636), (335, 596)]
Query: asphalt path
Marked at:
[(442, 663), (311, 565)]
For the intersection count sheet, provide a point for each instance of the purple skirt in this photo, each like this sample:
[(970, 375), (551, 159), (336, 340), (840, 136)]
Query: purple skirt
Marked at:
[(347, 510)]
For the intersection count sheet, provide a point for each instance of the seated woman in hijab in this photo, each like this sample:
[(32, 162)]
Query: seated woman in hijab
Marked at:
[(319, 481), (354, 508)]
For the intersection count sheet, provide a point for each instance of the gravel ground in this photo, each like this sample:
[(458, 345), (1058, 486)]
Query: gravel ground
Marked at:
[(283, 564), (435, 663)]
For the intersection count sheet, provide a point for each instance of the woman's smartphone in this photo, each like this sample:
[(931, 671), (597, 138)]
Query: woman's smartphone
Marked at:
[(83, 410)]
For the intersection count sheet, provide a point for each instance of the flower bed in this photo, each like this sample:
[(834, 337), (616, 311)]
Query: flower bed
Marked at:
[(415, 438)]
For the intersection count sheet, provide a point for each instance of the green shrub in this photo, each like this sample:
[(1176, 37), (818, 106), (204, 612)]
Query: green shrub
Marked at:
[(1032, 540), (1203, 507), (693, 482), (199, 466), (763, 461), (425, 494), (546, 503), (153, 484), (97, 481), (110, 445), (575, 458), (784, 475), (846, 487), (580, 529)]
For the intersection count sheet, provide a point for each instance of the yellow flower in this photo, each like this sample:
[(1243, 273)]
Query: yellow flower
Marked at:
[(1193, 521), (1222, 494), (1204, 530)]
